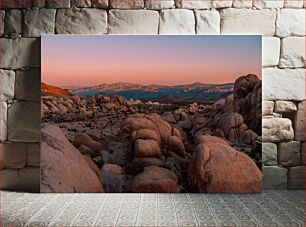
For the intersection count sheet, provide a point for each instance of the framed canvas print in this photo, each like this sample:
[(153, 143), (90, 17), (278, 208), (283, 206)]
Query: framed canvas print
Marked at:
[(165, 114)]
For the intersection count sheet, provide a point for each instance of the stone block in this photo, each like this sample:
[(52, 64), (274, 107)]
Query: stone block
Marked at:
[(3, 121), (177, 21), (293, 52), (7, 85), (277, 129), (81, 21), (126, 4), (133, 22), (159, 4), (38, 22), (248, 21), (80, 3), (191, 4), (39, 3), (103, 4), (2, 15), (296, 177), (285, 106), (274, 178), (20, 53), (299, 122), (25, 180), (303, 161), (269, 154), (56, 4), (289, 154), (270, 51), (293, 4), (24, 122), (242, 4), (262, 4), (290, 22), (15, 4), (283, 84), (13, 155), (221, 3), (267, 107), (208, 22), (27, 86), (33, 158), (13, 22)]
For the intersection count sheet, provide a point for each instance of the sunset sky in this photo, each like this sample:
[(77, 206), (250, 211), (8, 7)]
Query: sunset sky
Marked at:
[(81, 60)]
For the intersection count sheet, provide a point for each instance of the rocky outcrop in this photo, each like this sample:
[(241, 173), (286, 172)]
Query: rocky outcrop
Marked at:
[(63, 168), (217, 167)]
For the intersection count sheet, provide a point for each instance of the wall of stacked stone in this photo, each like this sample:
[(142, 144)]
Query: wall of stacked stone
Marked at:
[(280, 22)]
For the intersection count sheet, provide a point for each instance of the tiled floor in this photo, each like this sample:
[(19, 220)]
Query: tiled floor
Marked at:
[(271, 208)]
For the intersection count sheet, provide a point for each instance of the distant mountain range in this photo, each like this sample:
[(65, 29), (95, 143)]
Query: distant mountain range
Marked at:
[(181, 93), (54, 91)]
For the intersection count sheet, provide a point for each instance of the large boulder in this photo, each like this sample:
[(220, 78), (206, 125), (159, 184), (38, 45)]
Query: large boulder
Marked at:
[(113, 178), (155, 179), (63, 167), (217, 167), (84, 139)]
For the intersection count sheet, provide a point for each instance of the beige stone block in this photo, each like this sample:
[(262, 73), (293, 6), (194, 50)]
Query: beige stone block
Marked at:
[(13, 155)]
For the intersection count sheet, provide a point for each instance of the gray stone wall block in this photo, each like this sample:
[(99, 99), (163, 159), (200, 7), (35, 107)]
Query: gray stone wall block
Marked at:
[(103, 4), (27, 179), (20, 53), (13, 155), (296, 177), (80, 3), (7, 85), (221, 3), (293, 4), (248, 21), (191, 4), (126, 4), (274, 178), (303, 161), (290, 22), (24, 122), (283, 84), (13, 22), (159, 4), (269, 154), (56, 4), (178, 21), (267, 107), (285, 106), (242, 4), (3, 121), (133, 22), (27, 85), (289, 153), (277, 129), (270, 51), (81, 21), (293, 52), (39, 3), (33, 158), (2, 15), (39, 22), (15, 4), (299, 122), (274, 4), (208, 22)]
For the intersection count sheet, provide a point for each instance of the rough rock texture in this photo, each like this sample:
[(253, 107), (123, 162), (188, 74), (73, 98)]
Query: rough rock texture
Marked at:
[(221, 3), (33, 156), (13, 22), (24, 122), (80, 3), (3, 121), (191, 4), (55, 4), (27, 85), (126, 4), (285, 106), (270, 51), (179, 21), (274, 177), (216, 167), (13, 155), (299, 122), (159, 4), (2, 15), (262, 4), (269, 154), (296, 177), (283, 84), (247, 21), (63, 168), (81, 21), (155, 179), (133, 22), (38, 22), (290, 22), (293, 52), (242, 4), (277, 129), (267, 107), (208, 22), (7, 81), (289, 153), (113, 178), (100, 3), (19, 53), (86, 140)]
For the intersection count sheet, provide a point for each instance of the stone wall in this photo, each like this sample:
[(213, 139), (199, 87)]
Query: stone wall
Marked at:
[(281, 22)]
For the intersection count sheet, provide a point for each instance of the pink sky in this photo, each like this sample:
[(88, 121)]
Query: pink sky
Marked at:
[(166, 60)]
